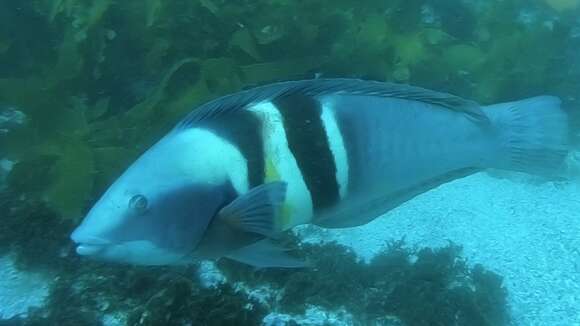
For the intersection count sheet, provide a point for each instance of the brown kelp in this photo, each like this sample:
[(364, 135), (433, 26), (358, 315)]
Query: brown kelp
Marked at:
[(100, 81)]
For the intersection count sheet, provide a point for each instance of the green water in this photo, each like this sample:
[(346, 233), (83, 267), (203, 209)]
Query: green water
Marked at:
[(86, 86)]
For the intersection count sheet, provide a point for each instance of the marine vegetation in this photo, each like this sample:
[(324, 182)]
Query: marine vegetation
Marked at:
[(401, 285), (415, 286), (99, 81)]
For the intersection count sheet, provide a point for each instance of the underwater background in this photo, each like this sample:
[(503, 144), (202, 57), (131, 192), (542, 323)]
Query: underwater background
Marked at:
[(86, 86)]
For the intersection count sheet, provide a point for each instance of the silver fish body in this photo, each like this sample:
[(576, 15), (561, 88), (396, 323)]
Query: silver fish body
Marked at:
[(333, 152)]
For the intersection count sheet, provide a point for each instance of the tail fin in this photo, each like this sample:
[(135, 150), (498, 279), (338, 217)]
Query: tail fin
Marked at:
[(532, 135)]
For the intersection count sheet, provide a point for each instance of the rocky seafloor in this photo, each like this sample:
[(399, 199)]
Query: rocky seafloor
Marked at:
[(490, 249)]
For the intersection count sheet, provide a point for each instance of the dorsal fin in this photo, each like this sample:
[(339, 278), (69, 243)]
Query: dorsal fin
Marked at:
[(320, 87)]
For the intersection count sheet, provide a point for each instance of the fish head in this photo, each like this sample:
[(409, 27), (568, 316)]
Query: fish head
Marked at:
[(152, 215)]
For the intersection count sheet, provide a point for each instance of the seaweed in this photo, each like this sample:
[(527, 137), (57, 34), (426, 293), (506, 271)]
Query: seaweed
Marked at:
[(109, 78), (35, 234), (99, 82), (91, 293), (563, 5), (414, 286)]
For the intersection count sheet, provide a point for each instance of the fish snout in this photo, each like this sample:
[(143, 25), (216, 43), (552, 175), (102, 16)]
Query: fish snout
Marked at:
[(88, 245)]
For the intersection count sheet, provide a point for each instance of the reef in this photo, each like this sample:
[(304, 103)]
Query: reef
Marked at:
[(400, 286), (95, 83), (407, 285), (411, 286), (99, 82)]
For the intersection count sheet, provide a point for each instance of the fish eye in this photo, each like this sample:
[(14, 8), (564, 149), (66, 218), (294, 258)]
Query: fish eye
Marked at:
[(138, 203)]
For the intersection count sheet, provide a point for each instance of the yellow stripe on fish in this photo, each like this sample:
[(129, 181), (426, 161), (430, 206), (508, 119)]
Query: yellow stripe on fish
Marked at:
[(284, 221), (282, 159)]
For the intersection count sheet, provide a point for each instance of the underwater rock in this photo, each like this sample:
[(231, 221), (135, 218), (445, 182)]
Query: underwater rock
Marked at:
[(314, 316), (399, 286), (5, 168), (132, 50), (20, 290), (35, 235), (264, 294), (209, 275), (339, 288), (11, 118), (114, 320)]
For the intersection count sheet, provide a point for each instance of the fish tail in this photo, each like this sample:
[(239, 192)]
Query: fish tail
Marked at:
[(531, 135)]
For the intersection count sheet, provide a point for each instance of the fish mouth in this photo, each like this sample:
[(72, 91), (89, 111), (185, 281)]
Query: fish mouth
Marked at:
[(89, 246), (89, 250)]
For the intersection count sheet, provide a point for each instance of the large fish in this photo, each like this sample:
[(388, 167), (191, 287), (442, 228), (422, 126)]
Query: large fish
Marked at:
[(337, 153)]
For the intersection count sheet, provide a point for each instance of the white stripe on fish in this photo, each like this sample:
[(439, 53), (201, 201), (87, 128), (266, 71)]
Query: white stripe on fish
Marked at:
[(198, 147), (279, 155), (336, 142)]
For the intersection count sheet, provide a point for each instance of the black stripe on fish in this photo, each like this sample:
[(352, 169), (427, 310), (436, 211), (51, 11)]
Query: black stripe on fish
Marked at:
[(307, 140), (243, 130)]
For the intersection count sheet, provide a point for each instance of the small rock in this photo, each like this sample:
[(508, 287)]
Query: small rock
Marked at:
[(209, 275)]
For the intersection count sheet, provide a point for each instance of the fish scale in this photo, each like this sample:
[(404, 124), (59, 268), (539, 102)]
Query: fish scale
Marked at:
[(238, 170)]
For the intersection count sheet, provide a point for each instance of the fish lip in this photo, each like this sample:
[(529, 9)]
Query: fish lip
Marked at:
[(89, 250), (90, 240), (93, 241), (81, 236), (91, 246)]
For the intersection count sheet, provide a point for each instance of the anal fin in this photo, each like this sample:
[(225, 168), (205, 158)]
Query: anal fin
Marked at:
[(266, 254)]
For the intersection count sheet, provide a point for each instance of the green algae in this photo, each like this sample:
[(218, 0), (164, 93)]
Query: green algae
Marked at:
[(112, 77), (101, 81), (33, 233), (412, 286), (140, 296), (415, 286)]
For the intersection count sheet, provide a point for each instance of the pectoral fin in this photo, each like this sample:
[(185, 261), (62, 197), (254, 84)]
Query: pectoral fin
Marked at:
[(257, 210), (264, 254)]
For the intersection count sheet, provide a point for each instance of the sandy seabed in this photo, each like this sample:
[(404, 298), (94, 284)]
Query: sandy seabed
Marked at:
[(525, 229), (522, 228)]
